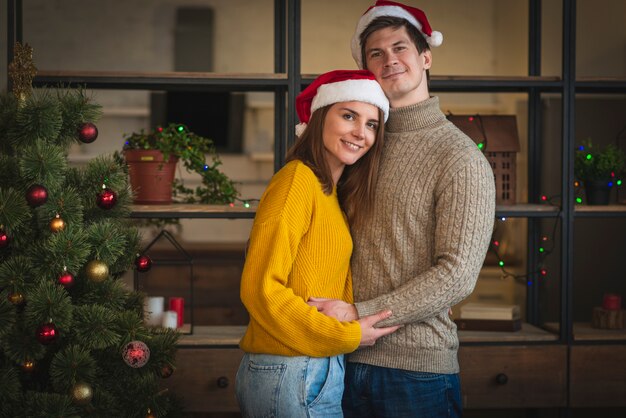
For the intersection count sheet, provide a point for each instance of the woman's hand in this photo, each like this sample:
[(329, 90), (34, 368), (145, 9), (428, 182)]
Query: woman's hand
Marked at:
[(369, 333), (344, 311)]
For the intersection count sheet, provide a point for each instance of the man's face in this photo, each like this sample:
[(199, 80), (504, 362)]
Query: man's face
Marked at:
[(399, 68)]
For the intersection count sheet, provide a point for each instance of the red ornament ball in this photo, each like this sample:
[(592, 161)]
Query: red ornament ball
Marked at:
[(66, 280), (36, 195), (167, 371), (143, 263), (136, 354), (47, 333), (106, 199), (87, 132), (4, 239)]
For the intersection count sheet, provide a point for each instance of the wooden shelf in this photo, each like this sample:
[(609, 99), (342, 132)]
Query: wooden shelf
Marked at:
[(596, 211), (583, 331), (464, 83), (526, 334), (229, 336), (214, 336), (527, 210), (192, 210), (162, 80)]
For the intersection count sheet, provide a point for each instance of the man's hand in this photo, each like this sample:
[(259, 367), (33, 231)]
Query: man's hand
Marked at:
[(335, 308), (369, 334)]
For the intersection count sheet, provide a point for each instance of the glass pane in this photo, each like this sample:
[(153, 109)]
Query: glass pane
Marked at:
[(598, 265), (551, 38), (600, 40), (161, 35), (480, 37)]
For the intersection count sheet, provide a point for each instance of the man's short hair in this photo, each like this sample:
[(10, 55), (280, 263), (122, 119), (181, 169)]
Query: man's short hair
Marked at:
[(395, 23)]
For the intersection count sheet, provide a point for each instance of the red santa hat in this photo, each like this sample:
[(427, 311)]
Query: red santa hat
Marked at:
[(339, 86), (415, 16)]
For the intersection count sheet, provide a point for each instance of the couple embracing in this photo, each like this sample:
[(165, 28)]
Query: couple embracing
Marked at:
[(378, 223)]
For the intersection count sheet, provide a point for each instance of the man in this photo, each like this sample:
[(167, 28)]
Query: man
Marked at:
[(427, 236)]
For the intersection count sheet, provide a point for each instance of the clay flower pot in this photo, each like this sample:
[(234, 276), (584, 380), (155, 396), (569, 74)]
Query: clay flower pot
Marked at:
[(151, 177)]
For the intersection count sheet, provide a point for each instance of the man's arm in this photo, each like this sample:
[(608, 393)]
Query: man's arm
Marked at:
[(465, 211)]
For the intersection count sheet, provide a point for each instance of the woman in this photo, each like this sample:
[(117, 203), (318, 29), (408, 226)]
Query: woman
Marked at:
[(300, 246)]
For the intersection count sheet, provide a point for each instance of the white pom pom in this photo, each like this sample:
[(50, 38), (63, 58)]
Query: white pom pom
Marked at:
[(300, 129), (436, 38)]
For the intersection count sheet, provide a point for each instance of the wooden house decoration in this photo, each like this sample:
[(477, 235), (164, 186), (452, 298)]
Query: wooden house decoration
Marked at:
[(497, 137)]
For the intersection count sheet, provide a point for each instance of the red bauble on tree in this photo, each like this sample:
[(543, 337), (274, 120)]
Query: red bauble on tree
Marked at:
[(136, 354), (87, 132), (66, 279), (106, 199), (143, 263), (4, 239), (47, 333), (36, 195)]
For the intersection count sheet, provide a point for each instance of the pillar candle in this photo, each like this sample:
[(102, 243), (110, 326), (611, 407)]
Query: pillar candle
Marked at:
[(178, 304), (612, 302), (170, 319), (153, 310)]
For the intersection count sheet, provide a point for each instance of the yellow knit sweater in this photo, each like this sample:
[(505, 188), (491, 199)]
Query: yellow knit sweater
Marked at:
[(300, 246)]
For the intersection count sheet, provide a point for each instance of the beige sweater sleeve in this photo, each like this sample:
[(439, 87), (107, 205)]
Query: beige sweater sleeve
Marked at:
[(465, 210)]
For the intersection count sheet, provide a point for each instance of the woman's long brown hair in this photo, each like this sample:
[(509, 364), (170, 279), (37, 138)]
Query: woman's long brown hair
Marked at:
[(355, 189)]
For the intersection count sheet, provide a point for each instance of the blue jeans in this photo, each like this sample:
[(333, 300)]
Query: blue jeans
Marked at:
[(373, 391), (290, 387)]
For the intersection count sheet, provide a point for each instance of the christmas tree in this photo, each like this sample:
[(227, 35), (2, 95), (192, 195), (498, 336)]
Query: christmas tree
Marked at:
[(72, 339)]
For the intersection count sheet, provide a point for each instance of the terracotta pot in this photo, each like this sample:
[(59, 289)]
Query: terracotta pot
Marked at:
[(151, 177)]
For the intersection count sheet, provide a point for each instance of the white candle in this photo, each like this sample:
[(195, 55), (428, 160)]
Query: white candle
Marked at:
[(170, 319), (153, 310)]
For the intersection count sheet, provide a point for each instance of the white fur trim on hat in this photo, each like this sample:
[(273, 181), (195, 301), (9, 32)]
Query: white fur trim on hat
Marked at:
[(300, 128), (434, 40), (368, 91)]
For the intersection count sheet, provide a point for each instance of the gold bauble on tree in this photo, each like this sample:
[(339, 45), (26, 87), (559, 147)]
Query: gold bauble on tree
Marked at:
[(81, 393), (97, 271), (57, 224), (28, 366), (150, 414), (16, 298)]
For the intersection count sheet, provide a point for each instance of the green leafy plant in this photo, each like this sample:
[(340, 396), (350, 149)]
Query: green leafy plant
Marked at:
[(197, 153), (598, 164)]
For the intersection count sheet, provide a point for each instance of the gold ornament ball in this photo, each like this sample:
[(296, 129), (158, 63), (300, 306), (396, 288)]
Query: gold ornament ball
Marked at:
[(97, 271), (16, 298), (81, 393), (57, 224)]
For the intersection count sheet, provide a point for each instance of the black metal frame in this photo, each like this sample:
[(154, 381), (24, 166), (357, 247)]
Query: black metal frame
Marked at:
[(287, 61)]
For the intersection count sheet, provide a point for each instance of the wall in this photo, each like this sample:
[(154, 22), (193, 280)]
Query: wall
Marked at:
[(481, 37)]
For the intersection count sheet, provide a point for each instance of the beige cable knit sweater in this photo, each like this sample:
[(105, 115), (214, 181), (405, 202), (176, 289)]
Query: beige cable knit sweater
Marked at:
[(426, 240)]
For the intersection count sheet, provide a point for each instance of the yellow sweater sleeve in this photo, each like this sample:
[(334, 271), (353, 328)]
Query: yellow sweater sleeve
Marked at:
[(276, 280)]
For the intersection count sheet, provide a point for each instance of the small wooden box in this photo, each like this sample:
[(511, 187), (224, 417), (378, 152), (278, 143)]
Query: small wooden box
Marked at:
[(605, 319)]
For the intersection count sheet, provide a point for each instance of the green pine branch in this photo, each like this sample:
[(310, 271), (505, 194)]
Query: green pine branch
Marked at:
[(39, 118), (71, 365)]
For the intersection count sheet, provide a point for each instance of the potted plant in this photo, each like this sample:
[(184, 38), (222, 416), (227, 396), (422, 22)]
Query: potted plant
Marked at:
[(598, 169), (152, 157)]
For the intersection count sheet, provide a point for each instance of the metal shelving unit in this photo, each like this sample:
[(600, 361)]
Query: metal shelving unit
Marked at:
[(287, 81)]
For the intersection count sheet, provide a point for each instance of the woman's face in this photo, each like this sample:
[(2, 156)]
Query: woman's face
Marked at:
[(349, 132)]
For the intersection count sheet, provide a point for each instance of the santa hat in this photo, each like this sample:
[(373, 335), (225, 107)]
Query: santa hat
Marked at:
[(415, 16), (339, 86)]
